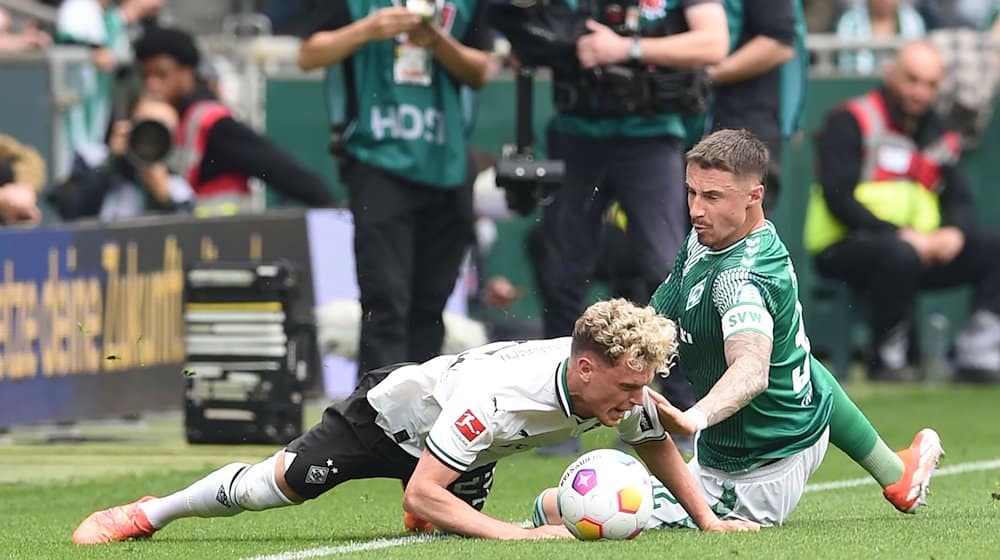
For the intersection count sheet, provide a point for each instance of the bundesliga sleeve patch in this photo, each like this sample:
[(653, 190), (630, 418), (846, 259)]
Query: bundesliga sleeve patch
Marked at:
[(469, 426)]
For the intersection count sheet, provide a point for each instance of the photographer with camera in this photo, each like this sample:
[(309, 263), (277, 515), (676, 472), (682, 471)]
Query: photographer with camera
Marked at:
[(105, 27), (626, 146), (216, 153), (129, 177), (141, 146)]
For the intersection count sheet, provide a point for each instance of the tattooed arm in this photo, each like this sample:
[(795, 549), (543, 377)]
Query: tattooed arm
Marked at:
[(748, 358)]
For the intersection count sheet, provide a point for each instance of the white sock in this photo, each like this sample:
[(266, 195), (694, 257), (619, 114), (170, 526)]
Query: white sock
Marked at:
[(208, 497), (255, 488), (230, 490)]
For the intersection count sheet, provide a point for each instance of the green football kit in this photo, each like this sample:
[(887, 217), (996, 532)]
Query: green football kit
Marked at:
[(754, 464)]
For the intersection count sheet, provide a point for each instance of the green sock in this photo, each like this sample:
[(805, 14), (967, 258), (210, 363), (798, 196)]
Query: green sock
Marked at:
[(883, 464), (538, 517), (852, 433)]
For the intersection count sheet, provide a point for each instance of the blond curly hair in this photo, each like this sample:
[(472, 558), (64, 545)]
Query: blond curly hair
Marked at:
[(618, 328)]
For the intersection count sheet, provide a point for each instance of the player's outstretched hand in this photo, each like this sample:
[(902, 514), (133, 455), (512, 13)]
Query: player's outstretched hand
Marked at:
[(731, 526), (550, 532), (672, 418)]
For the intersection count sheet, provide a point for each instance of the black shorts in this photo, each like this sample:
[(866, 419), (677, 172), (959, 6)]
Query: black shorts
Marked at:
[(347, 444)]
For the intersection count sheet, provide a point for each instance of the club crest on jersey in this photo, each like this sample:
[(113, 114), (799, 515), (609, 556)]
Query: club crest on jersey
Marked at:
[(469, 426), (317, 474), (694, 296), (653, 9)]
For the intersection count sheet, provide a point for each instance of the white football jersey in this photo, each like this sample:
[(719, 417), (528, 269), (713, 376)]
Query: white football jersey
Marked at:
[(489, 402)]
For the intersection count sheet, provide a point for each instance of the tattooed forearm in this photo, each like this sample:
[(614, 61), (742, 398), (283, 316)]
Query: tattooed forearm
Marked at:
[(748, 355)]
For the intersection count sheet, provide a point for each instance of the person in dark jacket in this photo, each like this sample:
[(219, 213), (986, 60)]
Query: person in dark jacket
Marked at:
[(893, 215), (216, 152)]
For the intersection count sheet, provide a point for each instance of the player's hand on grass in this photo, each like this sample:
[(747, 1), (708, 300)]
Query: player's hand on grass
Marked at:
[(731, 526), (549, 532)]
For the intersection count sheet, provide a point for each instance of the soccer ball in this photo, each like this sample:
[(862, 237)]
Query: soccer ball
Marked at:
[(605, 494)]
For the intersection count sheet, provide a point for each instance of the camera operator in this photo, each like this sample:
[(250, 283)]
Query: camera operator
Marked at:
[(619, 130), (129, 177), (632, 157)]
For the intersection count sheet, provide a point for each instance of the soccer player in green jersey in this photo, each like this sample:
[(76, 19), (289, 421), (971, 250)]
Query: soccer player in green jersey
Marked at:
[(766, 408)]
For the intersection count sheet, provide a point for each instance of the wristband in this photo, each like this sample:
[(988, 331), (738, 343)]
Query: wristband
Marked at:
[(699, 417)]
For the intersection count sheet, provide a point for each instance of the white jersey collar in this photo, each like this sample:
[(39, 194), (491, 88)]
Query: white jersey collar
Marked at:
[(562, 389)]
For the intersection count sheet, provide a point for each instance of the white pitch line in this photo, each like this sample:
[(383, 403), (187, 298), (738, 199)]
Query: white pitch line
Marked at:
[(345, 548), (960, 468), (377, 544)]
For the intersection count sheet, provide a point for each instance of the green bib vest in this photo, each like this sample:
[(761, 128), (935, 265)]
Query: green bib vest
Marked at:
[(412, 131)]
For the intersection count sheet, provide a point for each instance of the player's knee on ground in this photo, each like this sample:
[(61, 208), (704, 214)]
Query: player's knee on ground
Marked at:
[(255, 488)]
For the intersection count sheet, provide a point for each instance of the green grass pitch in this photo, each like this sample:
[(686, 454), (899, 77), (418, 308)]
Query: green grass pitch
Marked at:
[(46, 489)]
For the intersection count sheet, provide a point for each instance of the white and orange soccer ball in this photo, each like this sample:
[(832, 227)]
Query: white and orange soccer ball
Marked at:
[(605, 494)]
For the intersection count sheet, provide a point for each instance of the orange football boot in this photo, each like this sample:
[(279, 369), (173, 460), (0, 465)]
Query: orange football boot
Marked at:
[(919, 461), (115, 524), (414, 524)]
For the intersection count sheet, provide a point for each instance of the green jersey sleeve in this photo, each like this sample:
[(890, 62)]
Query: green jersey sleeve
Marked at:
[(741, 304)]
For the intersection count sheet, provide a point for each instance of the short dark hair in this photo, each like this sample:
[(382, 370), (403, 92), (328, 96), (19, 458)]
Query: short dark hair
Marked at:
[(172, 42), (737, 151)]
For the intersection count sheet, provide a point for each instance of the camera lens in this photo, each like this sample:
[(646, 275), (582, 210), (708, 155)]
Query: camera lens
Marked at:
[(149, 141)]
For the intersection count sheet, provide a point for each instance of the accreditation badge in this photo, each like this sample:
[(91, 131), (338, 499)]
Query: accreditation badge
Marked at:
[(632, 19), (412, 65)]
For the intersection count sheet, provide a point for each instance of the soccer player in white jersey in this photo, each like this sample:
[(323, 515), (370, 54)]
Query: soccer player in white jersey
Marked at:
[(440, 427), (766, 408)]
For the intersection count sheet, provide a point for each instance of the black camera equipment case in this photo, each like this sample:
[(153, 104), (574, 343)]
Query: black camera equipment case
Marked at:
[(246, 366)]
